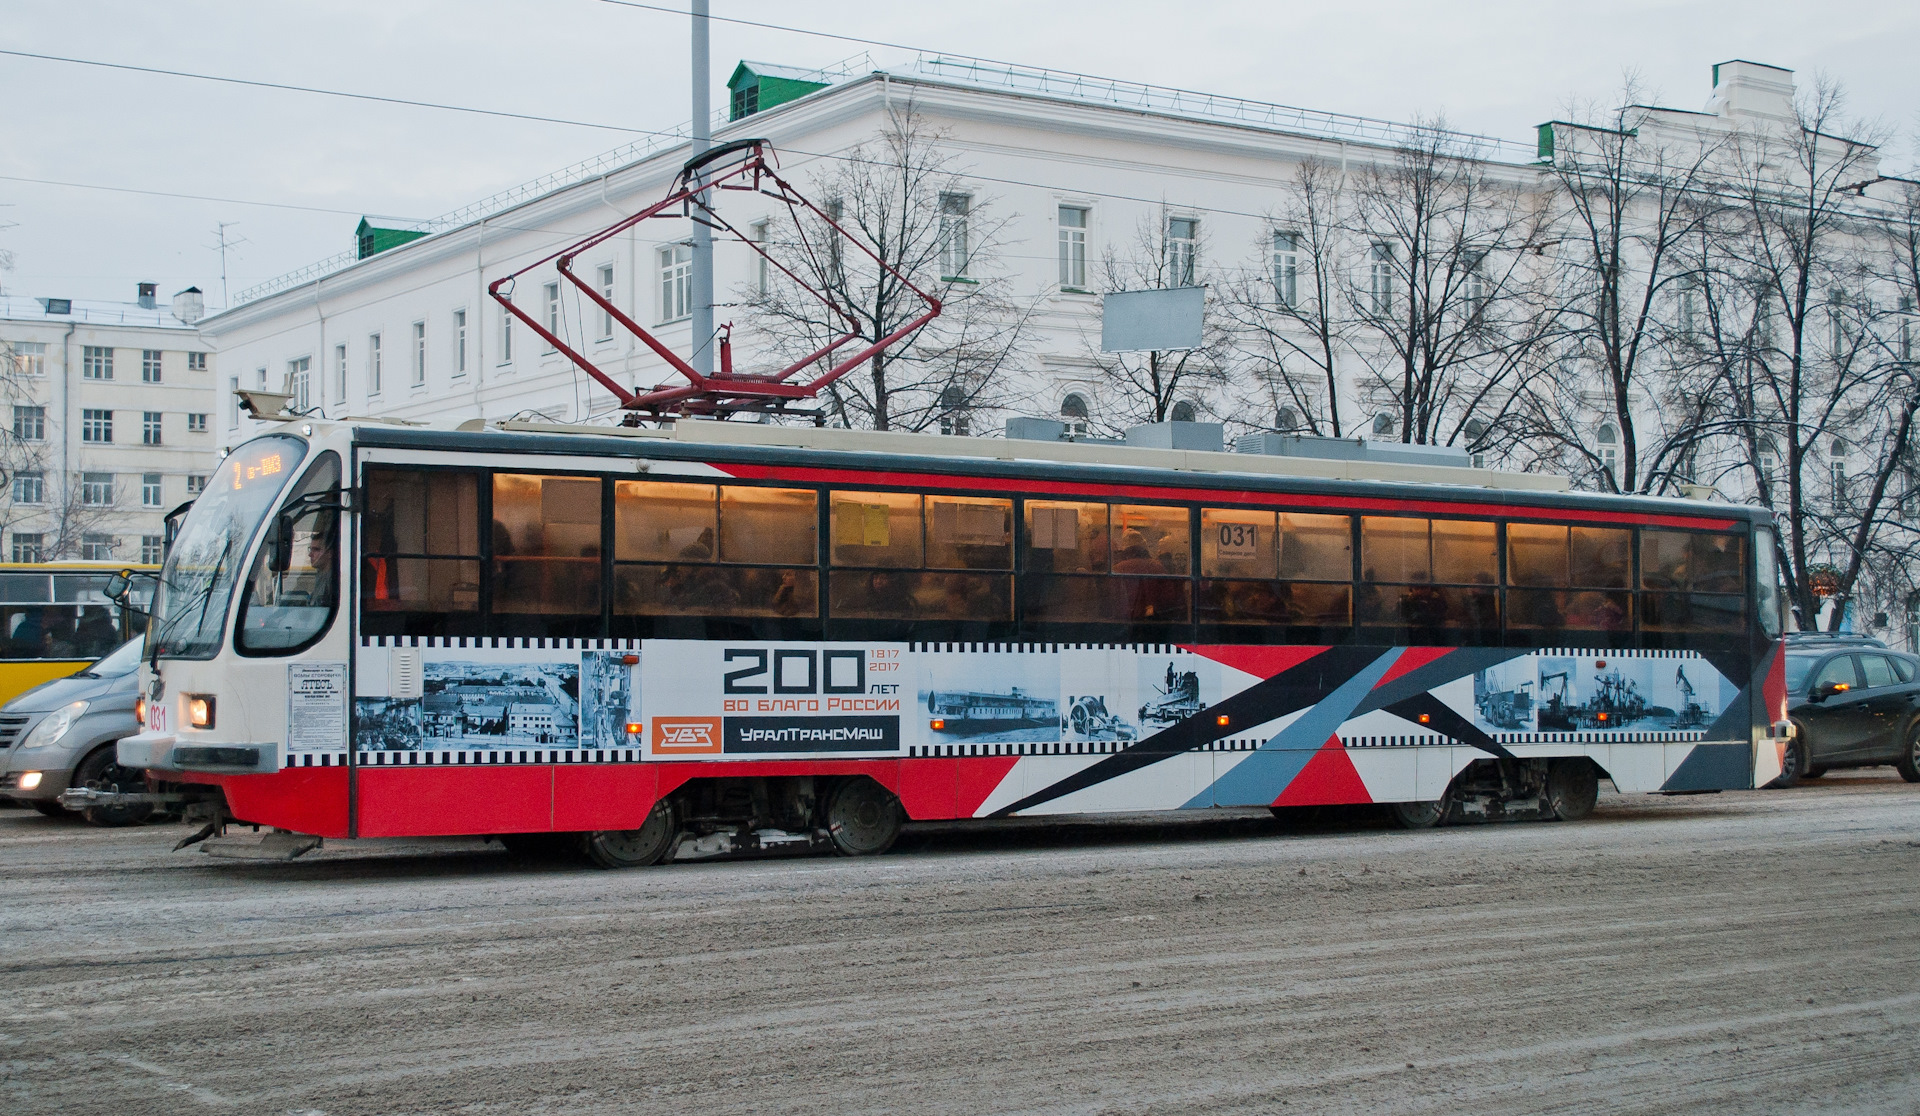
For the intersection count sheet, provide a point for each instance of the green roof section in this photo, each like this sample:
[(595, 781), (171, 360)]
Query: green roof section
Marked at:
[(755, 86), (1546, 142), (372, 241)]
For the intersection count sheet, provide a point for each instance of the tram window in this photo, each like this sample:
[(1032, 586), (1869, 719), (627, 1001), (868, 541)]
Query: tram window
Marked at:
[(1152, 540), (1566, 579), (1291, 604), (1464, 552), (1131, 601), (420, 573), (1695, 581), (688, 589), (1395, 550), (546, 552), (1407, 567), (877, 529), (1236, 542), (663, 521), (1537, 555), (1066, 537), (769, 526), (969, 533), (889, 594), (1316, 547), (1602, 557), (285, 610)]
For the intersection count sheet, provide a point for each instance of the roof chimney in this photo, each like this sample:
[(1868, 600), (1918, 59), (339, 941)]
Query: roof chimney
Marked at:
[(189, 305), (146, 296)]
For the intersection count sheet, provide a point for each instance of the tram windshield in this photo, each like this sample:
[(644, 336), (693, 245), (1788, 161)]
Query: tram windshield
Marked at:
[(197, 583)]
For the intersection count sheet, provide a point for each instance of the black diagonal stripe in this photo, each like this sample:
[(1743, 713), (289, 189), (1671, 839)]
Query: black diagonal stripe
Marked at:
[(1457, 663), (1291, 690), (1440, 717)]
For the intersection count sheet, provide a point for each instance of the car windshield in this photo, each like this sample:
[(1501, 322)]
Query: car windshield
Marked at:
[(1798, 667), (125, 659), (196, 585)]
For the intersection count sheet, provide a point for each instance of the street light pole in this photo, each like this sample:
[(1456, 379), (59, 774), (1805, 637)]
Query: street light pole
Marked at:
[(702, 324)]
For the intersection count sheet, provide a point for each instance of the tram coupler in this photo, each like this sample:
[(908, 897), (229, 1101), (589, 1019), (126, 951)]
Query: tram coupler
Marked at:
[(82, 798)]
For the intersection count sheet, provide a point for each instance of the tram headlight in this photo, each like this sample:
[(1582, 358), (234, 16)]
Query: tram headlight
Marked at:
[(199, 710), (54, 725)]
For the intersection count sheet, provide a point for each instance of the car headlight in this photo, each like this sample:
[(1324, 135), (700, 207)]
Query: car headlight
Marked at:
[(54, 725)]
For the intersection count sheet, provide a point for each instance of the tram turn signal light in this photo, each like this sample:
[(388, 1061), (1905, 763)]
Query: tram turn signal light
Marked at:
[(1221, 720), (630, 660), (140, 711), (1601, 716), (635, 728), (1425, 717), (200, 710), (936, 725)]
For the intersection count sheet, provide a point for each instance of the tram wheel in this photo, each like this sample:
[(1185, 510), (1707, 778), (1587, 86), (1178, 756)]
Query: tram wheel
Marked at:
[(1573, 786), (1419, 815), (863, 818), (636, 848)]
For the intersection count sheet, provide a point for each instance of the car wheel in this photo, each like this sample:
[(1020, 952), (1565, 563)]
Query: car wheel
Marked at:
[(102, 771), (1813, 772), (1909, 762), (1793, 764), (51, 808)]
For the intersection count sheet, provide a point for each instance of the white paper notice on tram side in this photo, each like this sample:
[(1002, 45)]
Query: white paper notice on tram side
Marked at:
[(316, 707)]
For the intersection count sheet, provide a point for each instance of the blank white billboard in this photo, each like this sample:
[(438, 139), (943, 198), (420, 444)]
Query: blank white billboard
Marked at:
[(1133, 321)]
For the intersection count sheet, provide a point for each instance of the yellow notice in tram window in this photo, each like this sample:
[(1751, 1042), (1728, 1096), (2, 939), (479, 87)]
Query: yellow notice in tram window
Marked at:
[(243, 471), (862, 525)]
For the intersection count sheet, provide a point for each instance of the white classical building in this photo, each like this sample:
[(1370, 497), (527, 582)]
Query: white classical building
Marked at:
[(111, 410)]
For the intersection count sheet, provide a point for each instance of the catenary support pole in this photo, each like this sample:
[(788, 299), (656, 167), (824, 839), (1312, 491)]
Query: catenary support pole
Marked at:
[(702, 357)]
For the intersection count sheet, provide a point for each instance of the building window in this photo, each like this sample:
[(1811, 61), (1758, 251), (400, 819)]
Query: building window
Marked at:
[(149, 366), (150, 550), (953, 414), (762, 232), (1286, 268), (1608, 439), (196, 362), (29, 358), (1182, 412), (96, 426), (506, 337), (233, 403), (340, 373), (1383, 425), (1183, 243), (1380, 278), (28, 547), (1906, 327), (150, 427), (1073, 247), (459, 342), (1476, 291), (96, 548), (197, 423), (1836, 322), (29, 487), (1689, 310), (96, 362), (1073, 412), (96, 489), (676, 282), (954, 248), (373, 364), (196, 484), (30, 424), (299, 382), (606, 292), (419, 354), (1837, 470), (552, 291), (260, 375), (150, 490)]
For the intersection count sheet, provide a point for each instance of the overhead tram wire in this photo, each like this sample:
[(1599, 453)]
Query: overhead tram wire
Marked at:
[(207, 198)]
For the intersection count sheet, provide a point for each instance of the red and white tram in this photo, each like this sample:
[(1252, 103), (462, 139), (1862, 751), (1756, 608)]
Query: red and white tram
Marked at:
[(722, 636)]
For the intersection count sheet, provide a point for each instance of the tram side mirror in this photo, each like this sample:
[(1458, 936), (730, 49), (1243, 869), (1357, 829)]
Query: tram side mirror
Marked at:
[(280, 554), (117, 586)]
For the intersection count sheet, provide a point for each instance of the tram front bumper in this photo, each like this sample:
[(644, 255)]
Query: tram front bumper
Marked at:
[(167, 752)]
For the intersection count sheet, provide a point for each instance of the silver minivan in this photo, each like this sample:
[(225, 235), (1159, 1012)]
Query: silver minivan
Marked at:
[(62, 733)]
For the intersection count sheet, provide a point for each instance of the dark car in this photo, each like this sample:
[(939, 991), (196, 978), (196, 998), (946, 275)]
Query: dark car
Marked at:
[(1853, 703)]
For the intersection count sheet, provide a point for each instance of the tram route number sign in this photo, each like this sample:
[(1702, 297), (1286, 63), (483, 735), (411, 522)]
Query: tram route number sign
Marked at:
[(316, 707)]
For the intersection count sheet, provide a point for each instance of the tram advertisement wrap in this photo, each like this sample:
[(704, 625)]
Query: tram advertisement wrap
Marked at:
[(726, 700)]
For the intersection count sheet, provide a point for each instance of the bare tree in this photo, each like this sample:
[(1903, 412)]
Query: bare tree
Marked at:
[(1811, 384), (1161, 384), (1627, 291), (1453, 315), (906, 197), (1286, 312)]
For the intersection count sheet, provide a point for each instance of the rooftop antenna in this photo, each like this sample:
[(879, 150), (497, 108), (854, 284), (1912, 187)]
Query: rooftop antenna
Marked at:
[(222, 244)]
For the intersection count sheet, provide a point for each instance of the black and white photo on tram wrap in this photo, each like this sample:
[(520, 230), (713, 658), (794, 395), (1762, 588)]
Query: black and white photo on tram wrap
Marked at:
[(991, 697), (609, 698), (386, 724), (1637, 693), (500, 705), (1173, 688)]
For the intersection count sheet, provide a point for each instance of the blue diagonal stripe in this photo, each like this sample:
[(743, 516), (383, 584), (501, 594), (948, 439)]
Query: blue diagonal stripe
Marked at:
[(1259, 779)]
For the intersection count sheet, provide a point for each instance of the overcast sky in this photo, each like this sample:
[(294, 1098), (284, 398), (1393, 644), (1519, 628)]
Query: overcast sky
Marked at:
[(1497, 68)]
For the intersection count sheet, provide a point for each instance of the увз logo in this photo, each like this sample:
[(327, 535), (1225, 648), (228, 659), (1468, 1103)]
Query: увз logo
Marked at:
[(679, 736)]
